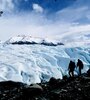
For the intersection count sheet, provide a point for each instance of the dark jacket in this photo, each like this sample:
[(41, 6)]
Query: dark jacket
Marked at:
[(80, 64), (71, 66)]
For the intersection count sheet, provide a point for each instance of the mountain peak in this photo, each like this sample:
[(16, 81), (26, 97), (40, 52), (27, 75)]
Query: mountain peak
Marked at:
[(23, 39)]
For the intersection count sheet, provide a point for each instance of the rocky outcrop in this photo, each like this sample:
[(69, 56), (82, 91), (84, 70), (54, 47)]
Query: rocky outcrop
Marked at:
[(88, 72), (32, 91), (73, 88)]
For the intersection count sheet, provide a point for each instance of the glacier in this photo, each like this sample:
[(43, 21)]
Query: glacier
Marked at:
[(36, 63)]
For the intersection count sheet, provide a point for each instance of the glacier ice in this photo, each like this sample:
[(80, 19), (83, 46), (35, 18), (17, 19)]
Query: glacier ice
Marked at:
[(36, 63)]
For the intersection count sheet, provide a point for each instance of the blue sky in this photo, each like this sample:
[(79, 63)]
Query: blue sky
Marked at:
[(19, 6), (44, 18), (49, 5)]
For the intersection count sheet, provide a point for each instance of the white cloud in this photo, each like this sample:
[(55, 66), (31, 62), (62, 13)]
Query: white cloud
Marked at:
[(37, 8), (6, 5), (72, 14), (38, 27), (63, 26), (31, 25)]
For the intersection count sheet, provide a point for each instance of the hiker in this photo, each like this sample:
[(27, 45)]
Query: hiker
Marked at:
[(1, 12), (80, 66), (71, 68)]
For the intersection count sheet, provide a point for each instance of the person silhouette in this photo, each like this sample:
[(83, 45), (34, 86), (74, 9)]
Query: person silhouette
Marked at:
[(1, 12), (71, 68), (80, 66)]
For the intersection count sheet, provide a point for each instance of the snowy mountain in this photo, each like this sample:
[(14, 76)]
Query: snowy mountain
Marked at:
[(22, 39), (36, 63), (69, 40)]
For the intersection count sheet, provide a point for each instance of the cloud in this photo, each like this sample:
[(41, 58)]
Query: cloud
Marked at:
[(32, 24), (6, 5), (40, 26), (37, 8), (63, 25), (73, 14)]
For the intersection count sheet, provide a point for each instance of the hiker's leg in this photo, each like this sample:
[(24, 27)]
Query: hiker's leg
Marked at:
[(72, 73), (69, 73), (79, 71)]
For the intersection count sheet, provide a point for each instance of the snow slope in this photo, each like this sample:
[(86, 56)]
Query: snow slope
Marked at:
[(36, 63), (22, 39)]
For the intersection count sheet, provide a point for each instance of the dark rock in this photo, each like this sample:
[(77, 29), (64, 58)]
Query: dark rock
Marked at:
[(76, 88), (65, 77), (88, 72), (55, 95), (52, 81), (32, 90), (23, 42), (85, 79)]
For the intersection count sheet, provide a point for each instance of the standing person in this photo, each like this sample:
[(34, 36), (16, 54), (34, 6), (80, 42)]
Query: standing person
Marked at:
[(80, 65), (1, 12), (71, 68)]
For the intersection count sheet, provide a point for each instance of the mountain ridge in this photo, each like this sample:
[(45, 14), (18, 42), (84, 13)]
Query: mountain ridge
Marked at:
[(22, 39)]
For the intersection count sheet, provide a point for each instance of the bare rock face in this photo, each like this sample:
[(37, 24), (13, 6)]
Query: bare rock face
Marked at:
[(52, 81), (32, 91)]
